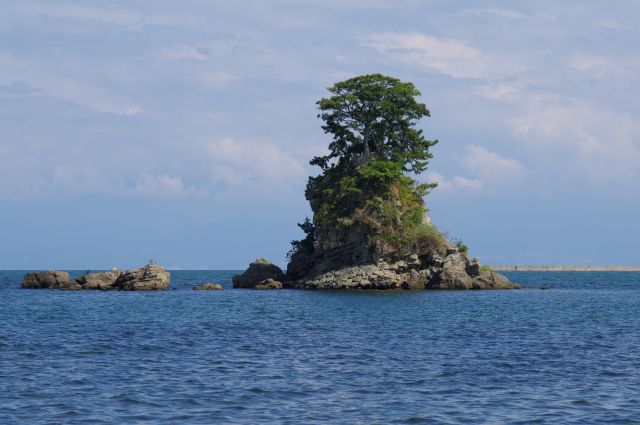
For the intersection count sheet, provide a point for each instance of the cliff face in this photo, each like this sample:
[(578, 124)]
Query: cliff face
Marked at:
[(378, 238), (346, 240), (453, 272), (330, 247)]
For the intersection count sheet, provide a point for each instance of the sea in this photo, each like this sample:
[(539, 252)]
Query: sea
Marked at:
[(569, 354)]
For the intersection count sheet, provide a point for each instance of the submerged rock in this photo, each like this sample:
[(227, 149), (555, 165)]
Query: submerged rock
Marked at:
[(208, 287), (151, 277), (103, 281), (50, 279), (492, 280), (258, 271), (268, 284)]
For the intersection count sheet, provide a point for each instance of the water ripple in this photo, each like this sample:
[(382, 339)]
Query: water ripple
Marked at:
[(566, 355)]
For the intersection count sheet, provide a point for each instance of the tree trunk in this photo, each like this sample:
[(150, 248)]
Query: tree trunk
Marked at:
[(366, 151)]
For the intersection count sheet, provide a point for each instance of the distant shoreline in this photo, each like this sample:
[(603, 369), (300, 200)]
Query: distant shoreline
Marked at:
[(566, 268)]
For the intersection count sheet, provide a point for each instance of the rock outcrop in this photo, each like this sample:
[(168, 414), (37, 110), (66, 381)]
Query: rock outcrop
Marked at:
[(492, 280), (453, 272), (151, 277), (258, 271), (208, 287), (268, 284), (51, 279), (148, 278), (103, 281), (368, 276)]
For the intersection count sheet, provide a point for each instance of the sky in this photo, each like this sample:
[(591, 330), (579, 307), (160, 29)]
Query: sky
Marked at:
[(181, 131)]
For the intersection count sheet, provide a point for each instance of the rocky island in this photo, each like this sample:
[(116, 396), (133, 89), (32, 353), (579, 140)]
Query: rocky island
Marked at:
[(151, 277), (370, 227)]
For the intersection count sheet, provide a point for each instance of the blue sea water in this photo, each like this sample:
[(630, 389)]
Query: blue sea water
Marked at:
[(570, 354)]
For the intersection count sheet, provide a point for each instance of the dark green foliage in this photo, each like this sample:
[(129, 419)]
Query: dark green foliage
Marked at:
[(306, 244), (374, 115), (375, 144)]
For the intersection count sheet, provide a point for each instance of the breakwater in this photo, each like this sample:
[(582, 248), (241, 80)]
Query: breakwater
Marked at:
[(585, 268)]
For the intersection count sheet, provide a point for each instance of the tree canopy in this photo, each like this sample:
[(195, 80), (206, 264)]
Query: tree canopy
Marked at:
[(374, 116), (365, 183)]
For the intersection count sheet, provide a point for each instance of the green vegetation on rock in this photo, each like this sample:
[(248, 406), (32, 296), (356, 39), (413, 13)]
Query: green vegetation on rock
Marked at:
[(366, 188), (462, 247), (485, 269)]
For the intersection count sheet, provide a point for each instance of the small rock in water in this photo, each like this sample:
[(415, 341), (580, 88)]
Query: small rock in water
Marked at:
[(258, 271), (268, 284), (208, 287), (51, 279), (544, 286), (149, 278)]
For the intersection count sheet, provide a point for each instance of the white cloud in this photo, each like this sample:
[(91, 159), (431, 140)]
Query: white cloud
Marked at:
[(163, 186), (130, 19), (602, 67), (497, 12), (178, 53), (488, 172), (43, 78), (454, 58), (236, 163), (609, 24), (225, 165), (586, 62), (498, 90), (215, 79), (450, 57), (456, 183), (491, 167), (29, 177), (60, 176), (580, 142), (502, 13)]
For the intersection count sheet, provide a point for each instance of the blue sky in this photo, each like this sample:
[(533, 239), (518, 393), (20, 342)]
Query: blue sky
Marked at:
[(181, 131)]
